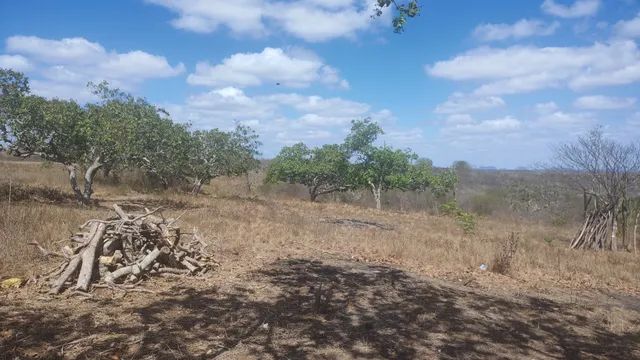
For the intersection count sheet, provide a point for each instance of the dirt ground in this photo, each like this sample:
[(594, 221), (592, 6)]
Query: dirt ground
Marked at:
[(310, 308)]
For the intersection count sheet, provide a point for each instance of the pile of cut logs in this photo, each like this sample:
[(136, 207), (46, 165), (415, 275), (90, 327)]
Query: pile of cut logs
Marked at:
[(123, 249)]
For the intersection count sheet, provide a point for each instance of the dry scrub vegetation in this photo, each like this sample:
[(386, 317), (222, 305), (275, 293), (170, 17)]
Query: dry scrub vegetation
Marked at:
[(251, 234)]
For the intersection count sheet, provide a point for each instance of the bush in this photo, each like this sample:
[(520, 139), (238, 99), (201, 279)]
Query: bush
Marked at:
[(466, 221), (502, 261)]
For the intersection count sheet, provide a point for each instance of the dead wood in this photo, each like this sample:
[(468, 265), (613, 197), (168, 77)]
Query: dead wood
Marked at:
[(118, 251)]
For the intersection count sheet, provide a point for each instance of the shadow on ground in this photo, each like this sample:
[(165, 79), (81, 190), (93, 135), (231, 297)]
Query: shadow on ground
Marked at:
[(299, 309)]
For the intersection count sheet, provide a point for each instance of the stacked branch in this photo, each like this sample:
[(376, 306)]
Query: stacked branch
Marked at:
[(124, 248), (595, 231)]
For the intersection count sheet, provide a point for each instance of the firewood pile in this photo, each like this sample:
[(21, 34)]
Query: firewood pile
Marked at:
[(122, 250), (595, 231)]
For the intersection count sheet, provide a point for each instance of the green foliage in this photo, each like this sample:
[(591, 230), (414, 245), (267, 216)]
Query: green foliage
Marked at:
[(362, 136), (465, 220), (443, 183), (403, 11), (118, 131), (215, 153), (13, 87), (51, 129), (385, 168), (322, 170)]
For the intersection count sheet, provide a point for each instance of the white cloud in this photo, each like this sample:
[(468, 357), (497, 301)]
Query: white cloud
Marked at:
[(580, 8), (203, 16), (601, 102), (546, 107), (280, 118), (62, 68), (272, 65), (466, 129), (562, 120), (518, 30), (15, 62), (462, 103), (628, 28), (519, 69), (311, 20)]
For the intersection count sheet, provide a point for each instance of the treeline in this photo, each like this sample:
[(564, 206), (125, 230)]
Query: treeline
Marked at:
[(117, 132), (358, 163), (121, 131)]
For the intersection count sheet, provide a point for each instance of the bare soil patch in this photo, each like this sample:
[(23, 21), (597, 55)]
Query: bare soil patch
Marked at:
[(303, 308)]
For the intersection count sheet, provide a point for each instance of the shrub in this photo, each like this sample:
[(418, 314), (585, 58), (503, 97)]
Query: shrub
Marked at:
[(502, 261), (466, 221)]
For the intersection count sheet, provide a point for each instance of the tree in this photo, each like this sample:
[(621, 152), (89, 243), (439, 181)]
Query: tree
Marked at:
[(462, 169), (54, 130), (322, 170), (402, 11), (14, 86), (217, 153), (383, 169), (161, 148), (605, 171)]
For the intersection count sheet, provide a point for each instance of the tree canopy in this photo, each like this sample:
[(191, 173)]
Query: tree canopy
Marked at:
[(357, 163), (119, 131)]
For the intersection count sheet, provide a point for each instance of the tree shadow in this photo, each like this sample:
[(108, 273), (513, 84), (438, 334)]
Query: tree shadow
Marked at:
[(298, 309)]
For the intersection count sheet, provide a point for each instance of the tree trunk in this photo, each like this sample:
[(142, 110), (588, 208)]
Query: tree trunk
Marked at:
[(248, 179), (313, 193), (197, 187), (376, 191), (614, 230), (89, 175), (73, 179), (635, 234)]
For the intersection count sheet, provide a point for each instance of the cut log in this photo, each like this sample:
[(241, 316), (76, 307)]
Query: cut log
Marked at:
[(137, 268), (71, 268), (89, 255), (123, 215)]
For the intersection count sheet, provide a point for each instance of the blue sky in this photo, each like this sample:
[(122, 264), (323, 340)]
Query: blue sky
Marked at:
[(491, 82)]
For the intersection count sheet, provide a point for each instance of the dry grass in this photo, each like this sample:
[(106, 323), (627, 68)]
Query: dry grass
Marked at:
[(254, 228), (268, 247)]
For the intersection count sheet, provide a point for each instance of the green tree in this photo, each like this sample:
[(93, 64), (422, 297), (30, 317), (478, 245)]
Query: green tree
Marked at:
[(322, 170), (383, 169), (362, 136), (421, 175), (55, 130), (161, 148), (14, 86), (217, 153)]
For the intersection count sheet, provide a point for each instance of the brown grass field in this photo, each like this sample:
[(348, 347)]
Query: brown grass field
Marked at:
[(293, 285)]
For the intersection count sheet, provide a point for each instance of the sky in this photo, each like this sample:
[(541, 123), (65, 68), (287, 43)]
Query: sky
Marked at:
[(493, 82)]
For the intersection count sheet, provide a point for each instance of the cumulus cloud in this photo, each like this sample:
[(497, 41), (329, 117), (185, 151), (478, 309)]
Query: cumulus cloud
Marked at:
[(518, 30), (62, 68), (15, 62), (580, 8), (280, 118), (520, 69), (628, 28), (272, 65), (311, 20), (601, 102), (463, 103)]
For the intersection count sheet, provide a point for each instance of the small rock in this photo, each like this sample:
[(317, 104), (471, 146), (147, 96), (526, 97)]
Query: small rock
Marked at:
[(483, 267)]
